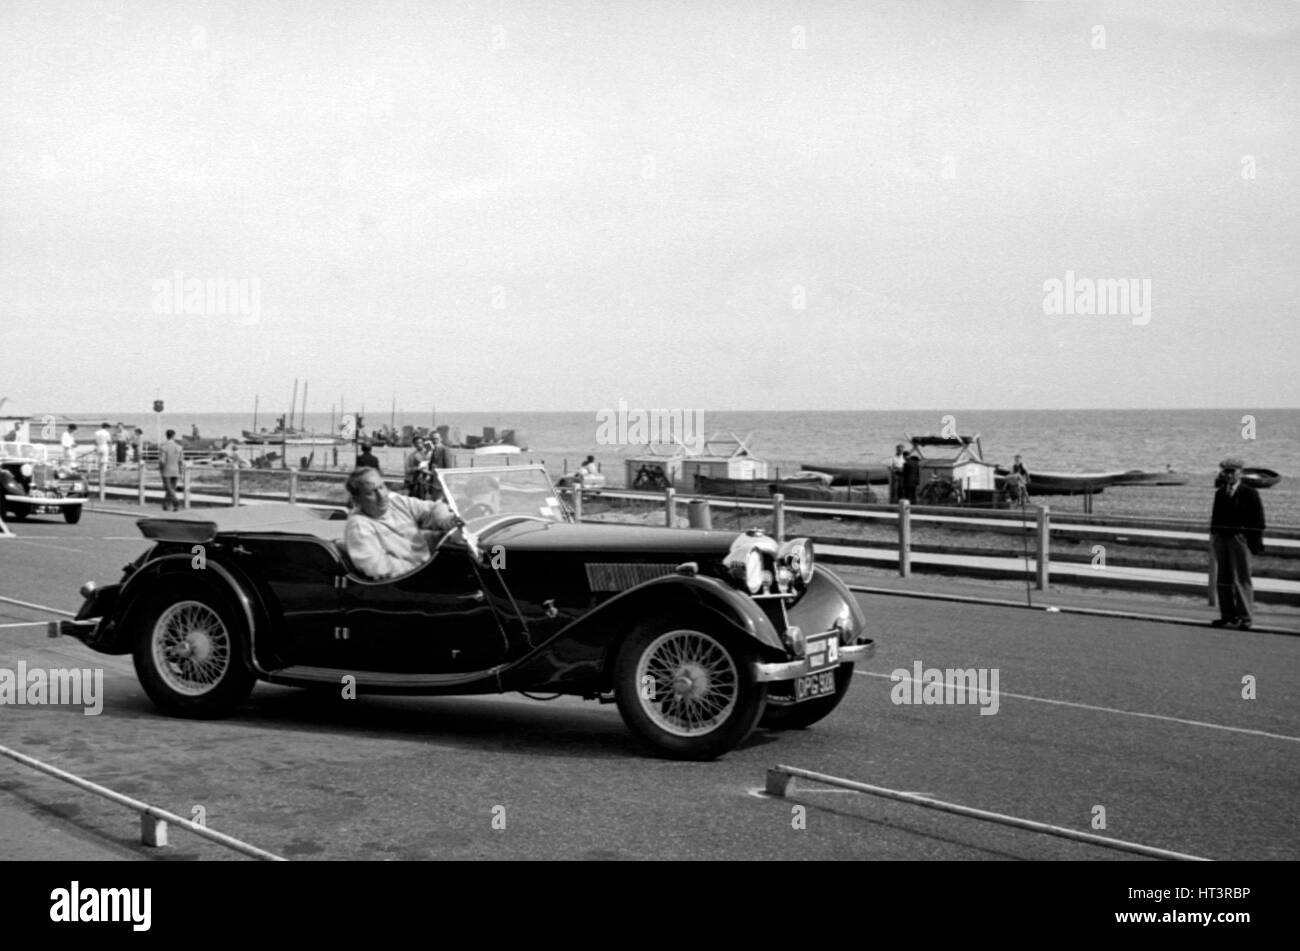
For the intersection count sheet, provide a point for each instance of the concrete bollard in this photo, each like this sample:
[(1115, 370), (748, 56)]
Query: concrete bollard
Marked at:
[(778, 516), (1044, 547), (293, 485), (699, 514), (153, 832), (904, 538), (670, 506), (140, 483), (185, 488)]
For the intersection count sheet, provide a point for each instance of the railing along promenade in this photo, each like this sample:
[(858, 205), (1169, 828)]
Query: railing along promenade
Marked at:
[(1036, 525)]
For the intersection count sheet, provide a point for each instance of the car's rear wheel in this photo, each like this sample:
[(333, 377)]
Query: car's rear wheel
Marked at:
[(72, 514), (15, 510), (688, 692), (189, 654), (783, 713)]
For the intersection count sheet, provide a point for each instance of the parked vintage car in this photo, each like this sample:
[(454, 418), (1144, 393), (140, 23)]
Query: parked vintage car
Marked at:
[(698, 636), (29, 486)]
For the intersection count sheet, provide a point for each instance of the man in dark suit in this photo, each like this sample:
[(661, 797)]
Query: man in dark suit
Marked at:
[(911, 477), (1236, 531)]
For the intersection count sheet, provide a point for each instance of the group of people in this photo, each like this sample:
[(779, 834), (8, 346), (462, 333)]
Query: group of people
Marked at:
[(904, 474), (428, 455), (110, 445)]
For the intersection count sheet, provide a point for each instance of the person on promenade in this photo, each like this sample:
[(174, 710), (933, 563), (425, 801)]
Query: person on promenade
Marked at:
[(896, 464), (417, 467), (1236, 532), (170, 461), (69, 443), (137, 446), (1018, 483), (119, 443), (366, 459), (103, 445), (389, 534), (911, 476), (440, 457)]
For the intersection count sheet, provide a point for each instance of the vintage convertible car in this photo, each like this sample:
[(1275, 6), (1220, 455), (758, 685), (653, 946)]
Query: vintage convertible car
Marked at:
[(43, 488), (698, 636)]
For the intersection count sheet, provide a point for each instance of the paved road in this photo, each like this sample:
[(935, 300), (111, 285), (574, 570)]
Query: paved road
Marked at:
[(1146, 720)]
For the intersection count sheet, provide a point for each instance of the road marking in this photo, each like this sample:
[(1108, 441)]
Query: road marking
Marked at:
[(75, 551), (26, 624), (1127, 713)]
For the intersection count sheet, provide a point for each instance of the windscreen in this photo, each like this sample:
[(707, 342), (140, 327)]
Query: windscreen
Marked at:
[(504, 490)]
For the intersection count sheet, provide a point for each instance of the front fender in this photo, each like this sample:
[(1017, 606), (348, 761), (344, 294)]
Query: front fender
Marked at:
[(583, 652), (827, 600)]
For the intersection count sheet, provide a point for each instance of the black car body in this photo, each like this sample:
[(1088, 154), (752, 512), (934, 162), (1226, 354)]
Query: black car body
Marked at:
[(697, 635), (29, 486)]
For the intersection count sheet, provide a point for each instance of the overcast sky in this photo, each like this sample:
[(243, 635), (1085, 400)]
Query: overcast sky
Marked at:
[(552, 206)]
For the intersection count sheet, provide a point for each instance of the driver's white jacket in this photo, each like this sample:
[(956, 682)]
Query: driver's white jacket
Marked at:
[(399, 541)]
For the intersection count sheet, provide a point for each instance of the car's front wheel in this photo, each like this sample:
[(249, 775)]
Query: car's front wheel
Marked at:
[(189, 654), (72, 514), (783, 713), (688, 692)]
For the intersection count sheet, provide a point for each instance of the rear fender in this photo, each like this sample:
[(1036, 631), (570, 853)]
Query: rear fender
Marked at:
[(583, 652), (157, 574)]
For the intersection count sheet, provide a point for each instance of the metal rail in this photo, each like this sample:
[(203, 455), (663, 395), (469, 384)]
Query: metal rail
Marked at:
[(153, 821), (780, 781)]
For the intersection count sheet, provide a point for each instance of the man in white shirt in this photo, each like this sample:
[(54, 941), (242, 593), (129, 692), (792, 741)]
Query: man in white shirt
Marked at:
[(389, 534), (103, 445), (69, 442)]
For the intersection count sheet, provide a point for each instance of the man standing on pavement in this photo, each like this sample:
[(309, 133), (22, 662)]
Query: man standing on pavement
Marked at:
[(170, 462), (69, 443), (1236, 532), (896, 472), (103, 445)]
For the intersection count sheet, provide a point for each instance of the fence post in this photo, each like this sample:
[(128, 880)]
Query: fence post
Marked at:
[(293, 485), (1044, 547), (904, 538), (234, 486), (103, 473), (185, 487), (1214, 575), (577, 502), (140, 482), (670, 506), (778, 515)]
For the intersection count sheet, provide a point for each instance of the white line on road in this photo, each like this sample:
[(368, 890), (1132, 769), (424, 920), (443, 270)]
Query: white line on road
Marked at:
[(1127, 713), (75, 551)]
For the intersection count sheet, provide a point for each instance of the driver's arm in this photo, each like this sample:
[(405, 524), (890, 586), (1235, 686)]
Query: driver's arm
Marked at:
[(433, 515)]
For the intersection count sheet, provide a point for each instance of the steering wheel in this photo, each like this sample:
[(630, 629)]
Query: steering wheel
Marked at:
[(478, 510)]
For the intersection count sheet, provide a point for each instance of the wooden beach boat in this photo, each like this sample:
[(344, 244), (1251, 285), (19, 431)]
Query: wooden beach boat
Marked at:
[(1067, 483), (849, 475), (754, 488), (1138, 477), (825, 493)]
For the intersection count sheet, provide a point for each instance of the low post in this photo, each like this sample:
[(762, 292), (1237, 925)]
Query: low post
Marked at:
[(577, 502), (293, 485), (140, 482), (1214, 576), (904, 538), (699, 514), (670, 506), (185, 487), (1044, 547), (234, 486), (103, 476), (778, 515)]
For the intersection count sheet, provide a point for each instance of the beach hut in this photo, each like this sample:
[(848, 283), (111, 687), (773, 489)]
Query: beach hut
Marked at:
[(956, 461), (656, 468), (724, 457)]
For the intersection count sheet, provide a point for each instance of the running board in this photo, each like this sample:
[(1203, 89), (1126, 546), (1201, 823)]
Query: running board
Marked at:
[(384, 682)]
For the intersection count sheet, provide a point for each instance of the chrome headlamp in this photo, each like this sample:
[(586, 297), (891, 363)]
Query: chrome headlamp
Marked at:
[(796, 556), (27, 470), (745, 562)]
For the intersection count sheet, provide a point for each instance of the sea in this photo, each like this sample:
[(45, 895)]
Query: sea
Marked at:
[(1189, 441)]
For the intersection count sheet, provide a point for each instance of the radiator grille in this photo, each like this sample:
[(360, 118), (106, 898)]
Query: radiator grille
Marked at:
[(616, 576)]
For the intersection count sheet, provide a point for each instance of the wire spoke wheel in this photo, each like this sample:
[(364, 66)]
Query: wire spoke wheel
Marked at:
[(689, 683), (192, 648)]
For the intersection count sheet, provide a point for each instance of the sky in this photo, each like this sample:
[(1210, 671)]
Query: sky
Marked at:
[(544, 206)]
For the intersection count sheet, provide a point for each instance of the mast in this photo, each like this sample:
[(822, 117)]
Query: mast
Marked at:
[(392, 419), (255, 401), (302, 423), (293, 406)]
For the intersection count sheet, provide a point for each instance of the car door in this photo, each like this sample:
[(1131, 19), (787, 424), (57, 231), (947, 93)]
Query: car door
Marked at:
[(444, 617)]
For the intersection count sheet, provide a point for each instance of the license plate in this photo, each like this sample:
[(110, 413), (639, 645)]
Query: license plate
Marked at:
[(823, 652), (814, 685)]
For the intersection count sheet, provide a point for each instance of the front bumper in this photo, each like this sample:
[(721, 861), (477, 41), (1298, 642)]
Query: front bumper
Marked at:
[(794, 669)]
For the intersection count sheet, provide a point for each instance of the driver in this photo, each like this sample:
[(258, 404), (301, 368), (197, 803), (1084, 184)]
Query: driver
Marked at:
[(389, 534)]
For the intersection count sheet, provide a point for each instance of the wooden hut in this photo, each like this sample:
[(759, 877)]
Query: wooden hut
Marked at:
[(957, 461)]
